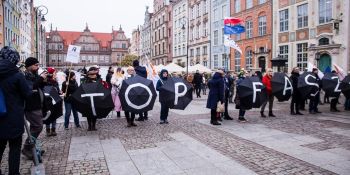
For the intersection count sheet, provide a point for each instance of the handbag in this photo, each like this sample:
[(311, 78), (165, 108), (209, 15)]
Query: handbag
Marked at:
[(220, 107)]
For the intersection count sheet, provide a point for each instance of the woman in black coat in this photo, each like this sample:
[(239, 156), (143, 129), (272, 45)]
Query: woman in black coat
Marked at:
[(216, 94), (296, 97)]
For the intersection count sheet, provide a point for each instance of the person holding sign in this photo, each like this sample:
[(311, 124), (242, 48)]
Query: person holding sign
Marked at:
[(266, 80), (164, 109)]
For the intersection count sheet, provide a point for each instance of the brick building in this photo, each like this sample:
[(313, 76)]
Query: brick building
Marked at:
[(256, 42)]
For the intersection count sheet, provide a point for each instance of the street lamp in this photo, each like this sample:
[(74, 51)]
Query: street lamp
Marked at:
[(40, 12), (188, 34)]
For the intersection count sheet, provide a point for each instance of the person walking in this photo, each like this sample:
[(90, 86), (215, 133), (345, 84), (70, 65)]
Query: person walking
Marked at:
[(266, 80), (204, 84), (296, 96), (68, 91), (314, 100), (34, 104), (140, 71), (197, 82), (164, 109), (243, 73), (57, 110), (116, 82), (130, 116), (216, 94), (15, 90)]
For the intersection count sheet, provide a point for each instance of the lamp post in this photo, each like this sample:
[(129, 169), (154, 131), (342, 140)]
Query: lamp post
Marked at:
[(40, 12), (188, 34)]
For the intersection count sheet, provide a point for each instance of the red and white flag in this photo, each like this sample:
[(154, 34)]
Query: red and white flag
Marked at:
[(232, 20)]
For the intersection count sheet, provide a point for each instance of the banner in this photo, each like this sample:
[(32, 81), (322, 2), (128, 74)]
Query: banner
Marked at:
[(231, 43), (232, 20), (73, 54), (236, 29)]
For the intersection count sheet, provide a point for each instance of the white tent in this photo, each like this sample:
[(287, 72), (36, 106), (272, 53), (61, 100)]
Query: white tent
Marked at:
[(201, 68), (158, 68), (172, 67)]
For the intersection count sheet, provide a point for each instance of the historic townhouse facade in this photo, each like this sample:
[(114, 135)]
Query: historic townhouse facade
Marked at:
[(135, 43), (96, 48), (219, 9), (2, 32), (160, 32), (199, 34), (315, 31), (146, 35), (180, 31)]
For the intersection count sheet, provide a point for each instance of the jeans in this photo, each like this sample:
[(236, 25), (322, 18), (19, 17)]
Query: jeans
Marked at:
[(164, 111), (14, 154), (314, 103), (69, 108), (53, 125), (347, 104), (270, 100), (241, 113)]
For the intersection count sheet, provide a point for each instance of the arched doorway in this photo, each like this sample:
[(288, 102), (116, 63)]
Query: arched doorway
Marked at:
[(324, 62), (262, 63)]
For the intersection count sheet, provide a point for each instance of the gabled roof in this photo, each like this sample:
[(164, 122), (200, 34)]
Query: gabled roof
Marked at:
[(69, 37)]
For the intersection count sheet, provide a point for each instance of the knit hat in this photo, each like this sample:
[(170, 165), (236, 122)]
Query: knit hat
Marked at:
[(10, 54), (135, 63), (51, 70), (31, 61)]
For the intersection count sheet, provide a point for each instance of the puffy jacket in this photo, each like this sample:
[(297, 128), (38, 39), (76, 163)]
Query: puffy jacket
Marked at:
[(266, 80)]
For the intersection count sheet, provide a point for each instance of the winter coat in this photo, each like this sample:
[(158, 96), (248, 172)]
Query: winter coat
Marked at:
[(16, 90), (108, 78), (72, 87), (141, 71), (116, 85), (161, 80), (237, 99), (197, 80), (266, 80), (216, 91), (36, 84), (57, 109), (296, 93)]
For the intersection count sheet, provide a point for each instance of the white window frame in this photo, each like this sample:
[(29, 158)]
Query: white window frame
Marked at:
[(284, 17), (302, 55), (325, 11), (237, 6), (262, 25), (302, 16), (249, 4), (249, 29), (249, 59)]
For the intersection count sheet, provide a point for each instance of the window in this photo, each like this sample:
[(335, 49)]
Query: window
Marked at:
[(205, 29), (237, 61), (175, 51), (262, 25), (198, 10), (284, 20), (284, 52), (325, 11), (323, 41), (237, 6), (238, 37), (249, 4), (302, 56), (216, 61), (216, 15), (184, 50), (224, 61), (205, 50), (249, 29), (216, 37), (192, 13), (191, 52), (248, 59), (262, 1), (198, 31), (302, 16), (205, 63), (198, 51), (224, 11), (205, 7)]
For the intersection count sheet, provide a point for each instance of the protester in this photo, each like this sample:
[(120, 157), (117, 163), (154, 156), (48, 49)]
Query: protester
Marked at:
[(232, 87), (92, 77), (68, 91), (57, 111), (109, 77), (266, 80), (242, 110), (216, 94), (15, 90), (227, 85), (130, 116), (204, 84), (164, 109), (116, 82), (296, 97), (140, 71), (314, 100), (197, 82), (34, 104), (334, 101)]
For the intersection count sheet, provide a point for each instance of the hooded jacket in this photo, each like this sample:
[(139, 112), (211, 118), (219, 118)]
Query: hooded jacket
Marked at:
[(216, 91), (141, 71), (162, 79), (16, 90)]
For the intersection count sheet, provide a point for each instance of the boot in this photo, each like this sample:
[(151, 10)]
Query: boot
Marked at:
[(89, 125), (271, 114), (133, 124), (118, 114), (93, 127), (48, 132), (262, 114), (53, 132), (215, 123), (140, 119)]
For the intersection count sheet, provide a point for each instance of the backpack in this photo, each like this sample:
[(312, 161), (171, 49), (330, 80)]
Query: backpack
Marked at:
[(3, 110)]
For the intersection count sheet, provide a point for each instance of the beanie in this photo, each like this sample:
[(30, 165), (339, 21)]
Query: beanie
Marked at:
[(31, 61), (135, 63), (51, 70), (9, 53)]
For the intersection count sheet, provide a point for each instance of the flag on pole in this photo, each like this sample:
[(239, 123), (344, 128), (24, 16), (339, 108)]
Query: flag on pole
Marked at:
[(231, 43), (340, 71), (232, 20), (236, 29)]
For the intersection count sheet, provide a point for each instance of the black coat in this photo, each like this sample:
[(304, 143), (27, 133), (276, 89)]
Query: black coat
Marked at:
[(296, 93), (36, 84), (108, 78), (16, 90), (141, 71), (216, 91), (197, 80), (72, 87)]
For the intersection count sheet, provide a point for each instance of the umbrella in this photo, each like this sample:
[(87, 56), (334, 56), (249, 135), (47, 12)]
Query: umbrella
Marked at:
[(137, 94), (345, 86), (281, 86), (176, 93), (330, 84), (93, 100), (53, 103), (252, 93), (308, 85)]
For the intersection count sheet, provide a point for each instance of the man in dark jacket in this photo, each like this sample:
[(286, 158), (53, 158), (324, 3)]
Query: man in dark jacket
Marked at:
[(34, 104), (315, 100), (16, 90), (140, 71), (164, 109), (197, 81), (296, 97)]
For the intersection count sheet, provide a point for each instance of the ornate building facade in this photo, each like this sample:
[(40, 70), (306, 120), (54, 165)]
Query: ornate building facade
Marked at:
[(179, 32), (96, 48), (135, 43), (146, 35)]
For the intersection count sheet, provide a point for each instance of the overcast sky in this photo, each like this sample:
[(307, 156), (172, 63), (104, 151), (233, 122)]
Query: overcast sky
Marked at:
[(100, 15)]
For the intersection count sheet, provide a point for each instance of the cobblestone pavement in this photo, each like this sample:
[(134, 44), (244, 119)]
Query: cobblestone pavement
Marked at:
[(308, 144)]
